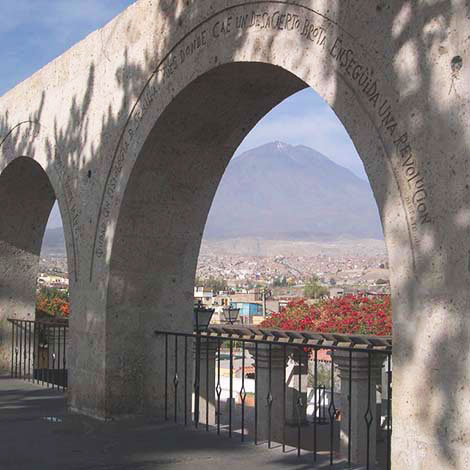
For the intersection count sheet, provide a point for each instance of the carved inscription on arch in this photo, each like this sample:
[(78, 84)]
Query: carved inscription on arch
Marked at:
[(318, 32), (369, 86)]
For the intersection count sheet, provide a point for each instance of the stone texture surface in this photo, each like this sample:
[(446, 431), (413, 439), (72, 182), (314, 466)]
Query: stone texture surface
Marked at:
[(135, 125), (207, 381), (270, 365), (365, 375)]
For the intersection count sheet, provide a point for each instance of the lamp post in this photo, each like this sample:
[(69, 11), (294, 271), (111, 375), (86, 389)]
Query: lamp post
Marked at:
[(230, 314), (201, 317)]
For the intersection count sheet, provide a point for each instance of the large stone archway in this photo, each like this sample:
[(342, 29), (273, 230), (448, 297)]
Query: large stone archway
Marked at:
[(143, 117)]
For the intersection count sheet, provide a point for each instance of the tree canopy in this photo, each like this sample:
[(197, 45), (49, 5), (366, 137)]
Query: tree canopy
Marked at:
[(313, 289)]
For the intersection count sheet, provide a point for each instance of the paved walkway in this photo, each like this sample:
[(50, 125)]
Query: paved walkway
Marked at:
[(37, 433)]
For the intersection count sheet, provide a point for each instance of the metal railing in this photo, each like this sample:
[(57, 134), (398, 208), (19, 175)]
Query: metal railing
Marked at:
[(316, 393), (338, 421), (39, 352)]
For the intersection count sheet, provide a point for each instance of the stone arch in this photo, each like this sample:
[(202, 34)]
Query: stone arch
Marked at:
[(32, 140), (30, 184), (316, 52), (366, 104), (166, 202), (28, 195)]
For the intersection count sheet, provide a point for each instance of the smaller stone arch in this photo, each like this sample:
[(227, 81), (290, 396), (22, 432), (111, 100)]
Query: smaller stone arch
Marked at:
[(27, 196), (31, 139)]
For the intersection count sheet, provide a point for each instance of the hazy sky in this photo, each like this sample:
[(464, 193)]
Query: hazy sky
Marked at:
[(33, 32)]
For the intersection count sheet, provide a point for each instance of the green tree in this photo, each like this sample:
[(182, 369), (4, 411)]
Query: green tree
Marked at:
[(280, 282), (216, 284), (313, 290)]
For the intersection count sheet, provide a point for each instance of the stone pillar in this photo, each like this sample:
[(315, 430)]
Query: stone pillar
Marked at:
[(269, 397), (363, 403), (207, 398), (296, 397)]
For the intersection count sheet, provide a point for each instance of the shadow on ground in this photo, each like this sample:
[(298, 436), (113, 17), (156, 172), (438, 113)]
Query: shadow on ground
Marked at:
[(38, 434)]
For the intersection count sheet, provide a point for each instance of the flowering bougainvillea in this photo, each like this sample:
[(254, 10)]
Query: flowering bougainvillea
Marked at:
[(351, 314), (53, 303)]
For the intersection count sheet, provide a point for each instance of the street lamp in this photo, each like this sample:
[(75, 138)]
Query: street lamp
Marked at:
[(230, 315), (201, 317)]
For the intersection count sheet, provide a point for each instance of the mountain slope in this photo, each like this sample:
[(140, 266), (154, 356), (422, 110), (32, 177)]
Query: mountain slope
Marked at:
[(285, 192), (54, 242)]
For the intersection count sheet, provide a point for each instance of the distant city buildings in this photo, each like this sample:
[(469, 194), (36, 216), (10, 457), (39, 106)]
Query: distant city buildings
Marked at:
[(53, 273), (51, 281), (355, 271), (261, 285)]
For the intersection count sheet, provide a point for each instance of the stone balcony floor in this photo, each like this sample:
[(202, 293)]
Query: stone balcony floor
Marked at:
[(37, 433)]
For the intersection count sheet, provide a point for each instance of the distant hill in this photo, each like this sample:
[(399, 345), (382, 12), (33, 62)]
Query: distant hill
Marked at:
[(54, 242), (284, 192), (262, 247)]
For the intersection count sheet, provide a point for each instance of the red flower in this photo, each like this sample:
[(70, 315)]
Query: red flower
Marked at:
[(349, 314)]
